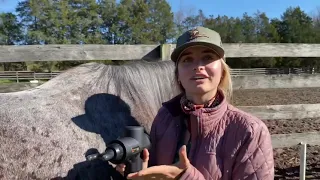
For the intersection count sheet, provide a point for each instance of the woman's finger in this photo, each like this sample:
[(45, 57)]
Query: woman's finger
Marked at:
[(145, 155), (145, 159), (183, 158), (121, 168), (149, 171)]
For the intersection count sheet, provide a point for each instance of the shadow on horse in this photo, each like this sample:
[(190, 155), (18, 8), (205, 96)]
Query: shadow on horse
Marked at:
[(46, 131)]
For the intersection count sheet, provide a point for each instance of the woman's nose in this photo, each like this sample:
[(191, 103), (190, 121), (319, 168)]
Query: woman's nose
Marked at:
[(198, 66)]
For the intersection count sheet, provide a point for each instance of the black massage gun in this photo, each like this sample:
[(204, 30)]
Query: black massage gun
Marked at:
[(126, 150)]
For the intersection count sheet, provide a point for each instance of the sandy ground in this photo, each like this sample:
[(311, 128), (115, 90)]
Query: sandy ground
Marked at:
[(260, 97)]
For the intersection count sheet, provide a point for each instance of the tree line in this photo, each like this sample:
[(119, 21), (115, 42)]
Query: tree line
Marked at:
[(147, 22)]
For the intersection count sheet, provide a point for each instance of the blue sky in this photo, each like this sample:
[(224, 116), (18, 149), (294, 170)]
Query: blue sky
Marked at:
[(273, 8)]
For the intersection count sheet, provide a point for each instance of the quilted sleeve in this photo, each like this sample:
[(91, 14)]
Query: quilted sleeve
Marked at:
[(162, 114), (255, 158)]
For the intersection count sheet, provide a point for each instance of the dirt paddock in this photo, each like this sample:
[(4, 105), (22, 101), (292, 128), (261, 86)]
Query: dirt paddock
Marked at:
[(287, 163), (259, 97), (287, 159)]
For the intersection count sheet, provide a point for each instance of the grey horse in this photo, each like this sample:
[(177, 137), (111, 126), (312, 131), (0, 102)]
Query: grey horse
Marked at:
[(45, 131)]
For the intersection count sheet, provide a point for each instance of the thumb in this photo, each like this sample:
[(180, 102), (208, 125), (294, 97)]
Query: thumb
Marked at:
[(145, 158), (183, 157)]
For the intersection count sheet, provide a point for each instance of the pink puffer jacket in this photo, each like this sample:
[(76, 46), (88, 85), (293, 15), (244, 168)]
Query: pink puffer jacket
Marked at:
[(230, 143)]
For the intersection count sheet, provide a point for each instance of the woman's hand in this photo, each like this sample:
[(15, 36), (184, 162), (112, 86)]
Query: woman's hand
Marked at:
[(121, 167), (164, 171)]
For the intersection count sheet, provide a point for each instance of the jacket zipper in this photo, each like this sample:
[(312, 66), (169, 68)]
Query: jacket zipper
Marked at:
[(196, 142), (198, 122), (178, 129)]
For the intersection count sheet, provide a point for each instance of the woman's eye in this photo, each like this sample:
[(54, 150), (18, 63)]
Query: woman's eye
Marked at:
[(187, 60), (208, 57)]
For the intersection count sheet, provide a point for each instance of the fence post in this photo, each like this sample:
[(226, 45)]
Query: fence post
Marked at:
[(165, 51), (303, 160), (17, 76)]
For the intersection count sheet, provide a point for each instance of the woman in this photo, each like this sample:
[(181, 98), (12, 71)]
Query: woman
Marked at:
[(198, 134)]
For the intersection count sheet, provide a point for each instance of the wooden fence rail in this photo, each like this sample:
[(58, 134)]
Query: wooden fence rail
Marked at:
[(27, 75), (274, 71), (63, 52), (31, 75)]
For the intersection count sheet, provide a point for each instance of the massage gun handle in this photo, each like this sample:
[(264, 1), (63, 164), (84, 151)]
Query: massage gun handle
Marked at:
[(134, 164)]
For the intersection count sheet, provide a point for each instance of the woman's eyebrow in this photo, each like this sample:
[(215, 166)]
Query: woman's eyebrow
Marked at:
[(185, 53), (209, 51)]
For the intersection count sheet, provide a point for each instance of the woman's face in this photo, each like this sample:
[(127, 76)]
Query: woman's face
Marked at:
[(199, 70)]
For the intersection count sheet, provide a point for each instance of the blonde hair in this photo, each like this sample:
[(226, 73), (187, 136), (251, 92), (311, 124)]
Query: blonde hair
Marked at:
[(226, 81)]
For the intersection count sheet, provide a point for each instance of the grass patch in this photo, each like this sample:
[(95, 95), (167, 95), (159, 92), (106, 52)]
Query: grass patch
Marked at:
[(6, 81)]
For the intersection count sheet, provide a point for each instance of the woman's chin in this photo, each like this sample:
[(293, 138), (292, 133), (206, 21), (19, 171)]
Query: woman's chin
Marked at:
[(200, 90)]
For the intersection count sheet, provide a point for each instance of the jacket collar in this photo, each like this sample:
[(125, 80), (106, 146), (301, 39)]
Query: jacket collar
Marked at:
[(174, 106), (207, 116)]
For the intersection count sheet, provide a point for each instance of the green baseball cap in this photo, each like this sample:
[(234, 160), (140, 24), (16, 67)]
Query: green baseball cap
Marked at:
[(198, 36)]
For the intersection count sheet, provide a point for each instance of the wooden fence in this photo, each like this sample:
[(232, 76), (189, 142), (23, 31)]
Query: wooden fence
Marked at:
[(27, 75), (161, 52), (31, 75), (273, 71), (146, 52), (150, 53)]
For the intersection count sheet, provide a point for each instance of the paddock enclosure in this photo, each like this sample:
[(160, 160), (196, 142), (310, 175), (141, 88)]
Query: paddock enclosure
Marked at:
[(46, 130)]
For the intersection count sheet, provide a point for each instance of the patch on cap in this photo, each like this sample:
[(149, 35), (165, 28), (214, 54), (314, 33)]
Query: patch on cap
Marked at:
[(194, 33)]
